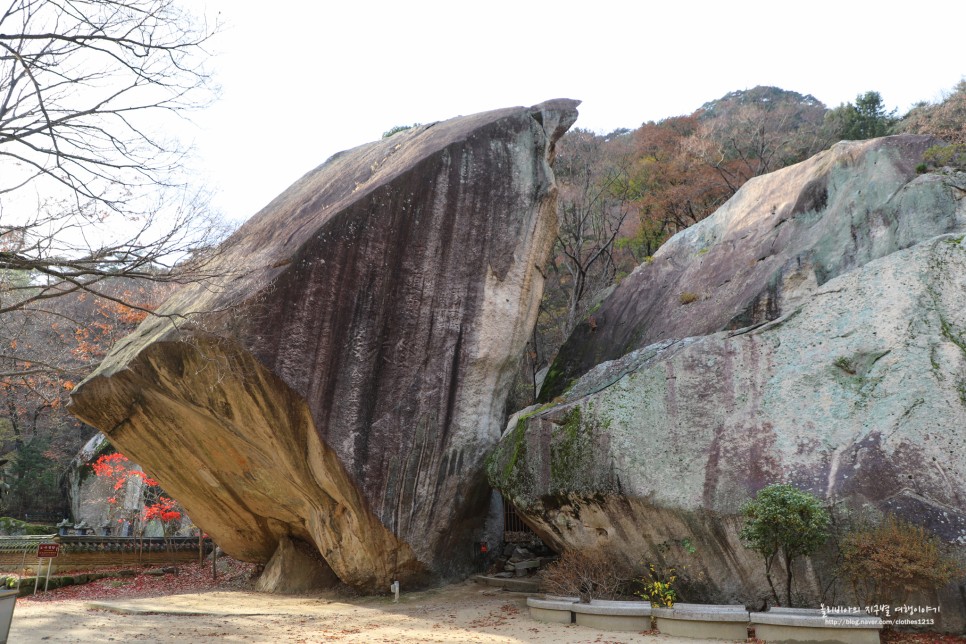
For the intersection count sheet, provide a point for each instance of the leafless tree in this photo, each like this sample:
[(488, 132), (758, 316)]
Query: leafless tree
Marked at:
[(92, 184), (595, 199), (595, 196)]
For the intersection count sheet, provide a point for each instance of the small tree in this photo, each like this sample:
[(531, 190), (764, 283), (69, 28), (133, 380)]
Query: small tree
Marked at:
[(866, 119), (151, 504), (784, 521), (120, 473), (594, 200)]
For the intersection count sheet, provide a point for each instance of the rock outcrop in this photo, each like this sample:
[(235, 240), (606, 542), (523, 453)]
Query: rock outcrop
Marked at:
[(88, 501), (768, 248), (827, 349), (342, 376)]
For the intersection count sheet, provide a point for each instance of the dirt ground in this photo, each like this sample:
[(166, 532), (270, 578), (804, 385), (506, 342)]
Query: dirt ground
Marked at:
[(465, 612)]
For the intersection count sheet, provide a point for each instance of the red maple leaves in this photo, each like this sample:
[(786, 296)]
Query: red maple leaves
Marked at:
[(117, 468)]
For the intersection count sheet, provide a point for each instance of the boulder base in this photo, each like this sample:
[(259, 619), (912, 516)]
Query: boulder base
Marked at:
[(295, 568)]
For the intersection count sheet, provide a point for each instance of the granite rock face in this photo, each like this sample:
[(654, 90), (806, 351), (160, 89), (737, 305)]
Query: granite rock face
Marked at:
[(88, 501), (341, 379), (827, 348), (768, 248), (857, 395)]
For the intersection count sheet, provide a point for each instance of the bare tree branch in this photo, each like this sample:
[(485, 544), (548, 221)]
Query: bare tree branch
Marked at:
[(93, 187)]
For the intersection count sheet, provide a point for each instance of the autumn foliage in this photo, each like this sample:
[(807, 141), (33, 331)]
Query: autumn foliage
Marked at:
[(163, 510), (44, 351), (119, 471)]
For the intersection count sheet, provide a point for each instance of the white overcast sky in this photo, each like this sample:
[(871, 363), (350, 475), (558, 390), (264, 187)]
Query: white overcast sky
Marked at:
[(303, 79)]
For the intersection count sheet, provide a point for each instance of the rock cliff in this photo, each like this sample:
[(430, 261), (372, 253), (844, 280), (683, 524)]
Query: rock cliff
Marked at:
[(779, 238), (827, 348), (341, 377)]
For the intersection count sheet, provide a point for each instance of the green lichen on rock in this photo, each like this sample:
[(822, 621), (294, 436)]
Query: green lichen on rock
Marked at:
[(950, 334), (506, 465), (565, 449), (855, 371), (573, 467), (935, 363), (549, 456)]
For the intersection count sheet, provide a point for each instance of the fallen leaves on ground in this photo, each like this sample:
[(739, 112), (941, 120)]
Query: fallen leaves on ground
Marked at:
[(189, 578), (901, 637)]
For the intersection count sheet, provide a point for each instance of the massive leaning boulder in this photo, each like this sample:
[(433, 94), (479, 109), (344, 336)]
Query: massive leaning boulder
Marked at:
[(342, 377), (767, 249), (850, 386)]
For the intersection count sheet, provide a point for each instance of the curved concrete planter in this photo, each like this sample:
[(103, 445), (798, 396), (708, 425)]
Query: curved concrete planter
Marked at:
[(613, 615), (552, 609), (810, 625), (704, 621), (600, 614)]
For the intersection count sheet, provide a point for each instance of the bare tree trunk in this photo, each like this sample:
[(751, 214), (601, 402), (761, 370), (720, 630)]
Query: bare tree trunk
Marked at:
[(788, 580)]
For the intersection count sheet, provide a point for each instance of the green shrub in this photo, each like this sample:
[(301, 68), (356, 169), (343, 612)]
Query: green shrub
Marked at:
[(887, 562), (784, 521), (13, 527), (941, 156), (687, 297), (396, 129)]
